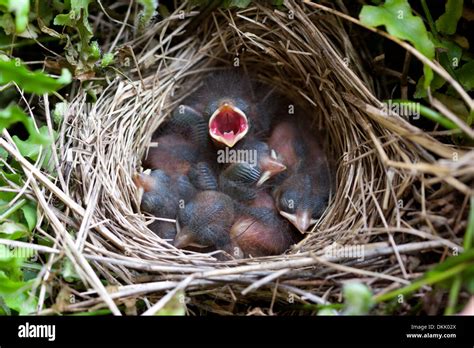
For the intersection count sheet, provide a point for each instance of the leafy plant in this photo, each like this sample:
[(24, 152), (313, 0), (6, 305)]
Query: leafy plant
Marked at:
[(14, 290), (436, 43), (358, 299), (397, 17), (20, 8)]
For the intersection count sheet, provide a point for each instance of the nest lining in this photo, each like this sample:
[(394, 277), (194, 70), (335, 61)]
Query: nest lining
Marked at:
[(387, 172)]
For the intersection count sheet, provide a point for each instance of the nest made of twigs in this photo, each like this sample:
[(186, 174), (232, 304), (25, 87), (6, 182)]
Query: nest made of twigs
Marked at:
[(398, 188)]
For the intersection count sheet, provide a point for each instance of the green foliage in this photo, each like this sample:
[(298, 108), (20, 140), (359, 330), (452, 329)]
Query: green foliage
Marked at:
[(175, 306), (83, 54), (438, 43), (107, 59), (448, 21), (20, 8), (397, 17), (358, 299), (469, 235), (13, 114), (32, 82), (14, 290), (428, 113), (236, 3), (466, 75), (68, 271), (149, 10)]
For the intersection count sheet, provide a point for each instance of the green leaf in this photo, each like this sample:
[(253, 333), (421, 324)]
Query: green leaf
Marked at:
[(466, 75), (60, 110), (69, 272), (31, 82), (175, 306), (358, 299), (107, 59), (9, 286), (236, 3), (469, 235), (66, 77), (14, 291), (84, 54), (436, 83), (453, 53), (13, 114), (22, 302), (448, 21), (29, 213), (7, 23), (21, 8), (11, 262), (149, 10), (32, 150), (13, 230), (452, 262), (3, 154), (327, 312), (397, 17)]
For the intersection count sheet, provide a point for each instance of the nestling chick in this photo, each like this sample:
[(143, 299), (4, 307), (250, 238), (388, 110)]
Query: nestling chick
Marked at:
[(205, 222), (180, 142), (253, 165), (173, 154), (304, 191), (233, 106), (162, 195), (259, 230)]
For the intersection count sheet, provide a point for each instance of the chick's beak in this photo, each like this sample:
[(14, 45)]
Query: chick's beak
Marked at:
[(228, 124), (301, 220), (271, 166), (183, 238)]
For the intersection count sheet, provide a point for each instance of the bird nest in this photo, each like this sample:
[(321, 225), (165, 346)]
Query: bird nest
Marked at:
[(400, 197)]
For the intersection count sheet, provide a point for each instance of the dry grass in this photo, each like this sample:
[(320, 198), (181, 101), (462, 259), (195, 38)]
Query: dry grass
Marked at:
[(400, 191)]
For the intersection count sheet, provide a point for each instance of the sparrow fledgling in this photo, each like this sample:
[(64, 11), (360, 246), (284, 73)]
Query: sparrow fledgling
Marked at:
[(205, 222), (303, 192)]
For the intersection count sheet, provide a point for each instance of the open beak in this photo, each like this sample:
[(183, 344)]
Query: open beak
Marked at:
[(228, 124), (301, 220), (271, 166)]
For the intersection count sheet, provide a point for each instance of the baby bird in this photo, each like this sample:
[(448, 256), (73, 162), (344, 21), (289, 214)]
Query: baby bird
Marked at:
[(233, 106), (253, 165), (205, 222), (303, 194), (180, 143), (259, 230), (162, 196), (173, 154)]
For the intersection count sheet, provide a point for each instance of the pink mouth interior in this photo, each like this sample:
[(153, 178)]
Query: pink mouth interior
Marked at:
[(228, 123)]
